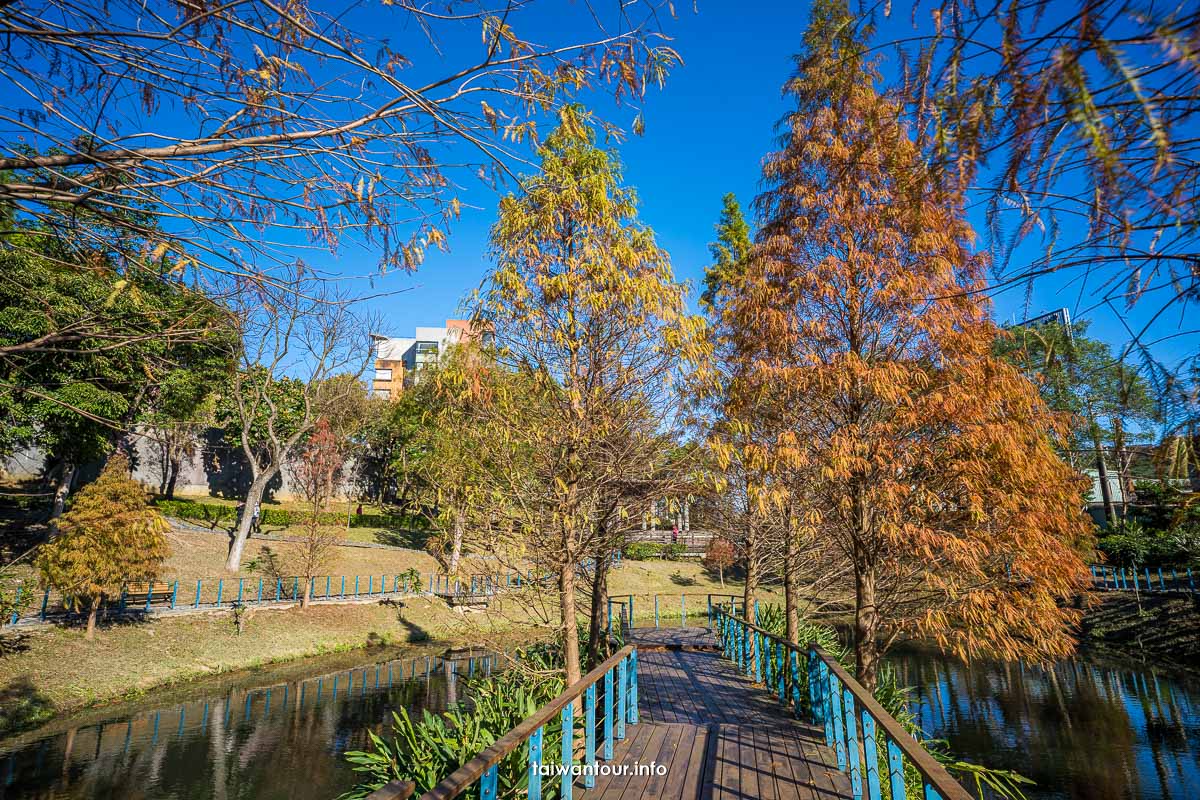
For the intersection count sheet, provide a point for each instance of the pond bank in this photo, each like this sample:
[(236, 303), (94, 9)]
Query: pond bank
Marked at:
[(1160, 630), (55, 671)]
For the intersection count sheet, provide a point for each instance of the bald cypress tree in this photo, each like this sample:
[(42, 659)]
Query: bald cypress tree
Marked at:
[(861, 330), (109, 537)]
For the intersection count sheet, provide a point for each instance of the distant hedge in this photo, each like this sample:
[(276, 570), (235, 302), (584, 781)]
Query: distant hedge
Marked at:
[(213, 514)]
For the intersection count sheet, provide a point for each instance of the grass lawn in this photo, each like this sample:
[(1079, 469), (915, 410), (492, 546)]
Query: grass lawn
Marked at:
[(50, 671)]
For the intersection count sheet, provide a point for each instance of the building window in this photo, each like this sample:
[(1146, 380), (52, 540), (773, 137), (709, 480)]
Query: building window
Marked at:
[(383, 374), (384, 393)]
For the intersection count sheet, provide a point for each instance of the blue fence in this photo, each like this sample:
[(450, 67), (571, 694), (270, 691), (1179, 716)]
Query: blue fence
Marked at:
[(605, 717), (871, 746), (179, 594), (1146, 579)]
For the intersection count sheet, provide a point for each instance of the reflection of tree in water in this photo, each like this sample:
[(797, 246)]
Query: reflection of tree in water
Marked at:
[(1078, 728), (282, 741)]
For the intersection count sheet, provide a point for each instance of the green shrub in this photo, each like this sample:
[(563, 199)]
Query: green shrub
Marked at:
[(643, 551), (213, 514), (672, 552), (427, 749)]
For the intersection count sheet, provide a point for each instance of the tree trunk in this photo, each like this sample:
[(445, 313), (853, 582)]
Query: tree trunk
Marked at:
[(253, 498), (791, 584), (457, 541), (599, 606), (866, 627), (750, 590), (173, 468), (66, 478), (721, 574), (1110, 510), (93, 612), (570, 632), (307, 596)]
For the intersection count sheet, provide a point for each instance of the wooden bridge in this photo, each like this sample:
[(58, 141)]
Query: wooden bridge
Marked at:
[(721, 711)]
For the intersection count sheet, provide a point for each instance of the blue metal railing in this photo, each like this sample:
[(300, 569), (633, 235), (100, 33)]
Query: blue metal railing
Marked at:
[(1168, 579), (618, 707), (857, 728)]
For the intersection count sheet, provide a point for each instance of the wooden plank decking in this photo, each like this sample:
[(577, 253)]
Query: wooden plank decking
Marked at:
[(718, 735)]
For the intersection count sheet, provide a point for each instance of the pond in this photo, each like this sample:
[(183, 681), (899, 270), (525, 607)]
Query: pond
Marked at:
[(266, 740), (1087, 728)]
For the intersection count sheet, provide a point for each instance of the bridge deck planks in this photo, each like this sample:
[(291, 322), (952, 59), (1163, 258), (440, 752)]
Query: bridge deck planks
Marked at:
[(720, 737)]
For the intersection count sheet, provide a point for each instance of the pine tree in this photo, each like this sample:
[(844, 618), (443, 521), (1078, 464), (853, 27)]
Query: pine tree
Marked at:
[(862, 333), (730, 249), (109, 537)]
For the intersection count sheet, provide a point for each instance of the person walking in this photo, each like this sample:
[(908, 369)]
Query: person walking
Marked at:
[(255, 525)]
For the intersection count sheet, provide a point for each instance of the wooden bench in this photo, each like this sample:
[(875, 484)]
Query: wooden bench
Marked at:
[(137, 593)]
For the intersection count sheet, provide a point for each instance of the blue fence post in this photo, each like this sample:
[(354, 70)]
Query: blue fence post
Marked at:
[(852, 742), (633, 688), (239, 597), (631, 624), (487, 783), (568, 752), (839, 729), (174, 593), (610, 616), (356, 586), (1191, 583), (535, 765), (149, 594), (895, 769), (260, 588), (608, 715), (343, 592), (220, 588), (816, 693), (780, 671), (870, 756), (1149, 585), (758, 656), (795, 668), (622, 688), (1161, 585), (17, 604), (328, 579), (278, 589), (1135, 579), (197, 603), (589, 736)]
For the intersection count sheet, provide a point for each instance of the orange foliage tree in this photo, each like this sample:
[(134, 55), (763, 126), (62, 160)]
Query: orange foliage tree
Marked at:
[(862, 331)]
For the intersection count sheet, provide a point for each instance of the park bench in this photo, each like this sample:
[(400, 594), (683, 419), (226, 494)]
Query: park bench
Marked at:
[(140, 593)]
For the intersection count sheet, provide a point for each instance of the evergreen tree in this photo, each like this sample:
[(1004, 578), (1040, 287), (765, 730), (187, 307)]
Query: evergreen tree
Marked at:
[(729, 251), (109, 537)]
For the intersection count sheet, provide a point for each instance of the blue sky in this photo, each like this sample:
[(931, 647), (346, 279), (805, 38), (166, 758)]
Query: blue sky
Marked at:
[(706, 134)]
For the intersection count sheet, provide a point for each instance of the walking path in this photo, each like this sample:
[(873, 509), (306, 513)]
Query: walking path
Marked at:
[(717, 734)]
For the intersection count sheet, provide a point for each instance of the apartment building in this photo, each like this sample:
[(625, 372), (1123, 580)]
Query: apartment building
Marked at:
[(399, 360)]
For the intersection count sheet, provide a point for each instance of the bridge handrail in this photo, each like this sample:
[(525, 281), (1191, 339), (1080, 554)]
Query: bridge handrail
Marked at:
[(839, 703), (484, 767)]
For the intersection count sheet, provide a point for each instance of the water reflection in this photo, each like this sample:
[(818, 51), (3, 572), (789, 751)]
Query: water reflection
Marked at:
[(278, 741), (1084, 728)]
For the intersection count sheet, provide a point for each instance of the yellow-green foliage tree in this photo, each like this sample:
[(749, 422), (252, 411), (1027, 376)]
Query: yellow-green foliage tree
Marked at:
[(109, 537), (584, 306), (917, 455)]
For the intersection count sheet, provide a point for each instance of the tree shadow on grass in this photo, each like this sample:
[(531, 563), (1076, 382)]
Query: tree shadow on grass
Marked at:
[(402, 537), (412, 631), (22, 706), (679, 579)]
